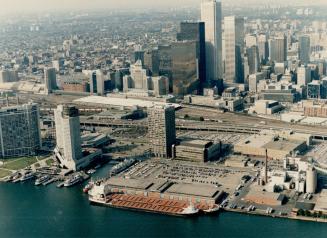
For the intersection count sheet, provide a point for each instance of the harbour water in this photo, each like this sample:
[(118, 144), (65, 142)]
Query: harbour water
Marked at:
[(29, 211)]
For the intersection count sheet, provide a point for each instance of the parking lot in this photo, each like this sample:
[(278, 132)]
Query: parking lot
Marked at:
[(225, 178)]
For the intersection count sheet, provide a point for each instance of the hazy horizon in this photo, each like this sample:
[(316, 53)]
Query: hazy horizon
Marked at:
[(28, 6)]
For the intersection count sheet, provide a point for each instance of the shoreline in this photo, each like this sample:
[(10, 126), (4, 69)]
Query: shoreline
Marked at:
[(299, 218)]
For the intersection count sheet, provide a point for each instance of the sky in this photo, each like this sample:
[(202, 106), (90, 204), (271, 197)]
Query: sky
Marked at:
[(8, 6)]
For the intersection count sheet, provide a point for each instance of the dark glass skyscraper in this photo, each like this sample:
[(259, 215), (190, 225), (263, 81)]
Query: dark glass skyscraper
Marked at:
[(185, 67), (195, 31), (304, 49)]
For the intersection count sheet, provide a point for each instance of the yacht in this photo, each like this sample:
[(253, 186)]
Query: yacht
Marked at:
[(72, 181), (27, 176), (42, 180)]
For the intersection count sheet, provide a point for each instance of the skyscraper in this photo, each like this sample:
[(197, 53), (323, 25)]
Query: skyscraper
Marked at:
[(69, 145), (278, 49), (263, 48), (20, 130), (195, 31), (50, 79), (211, 15), (139, 76), (303, 75), (161, 130), (151, 62), (97, 83), (253, 59), (304, 49), (234, 49), (185, 71)]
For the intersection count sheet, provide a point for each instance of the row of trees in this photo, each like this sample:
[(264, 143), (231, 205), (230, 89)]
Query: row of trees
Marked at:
[(306, 213)]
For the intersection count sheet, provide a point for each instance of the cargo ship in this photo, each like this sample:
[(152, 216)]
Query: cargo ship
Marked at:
[(98, 196)]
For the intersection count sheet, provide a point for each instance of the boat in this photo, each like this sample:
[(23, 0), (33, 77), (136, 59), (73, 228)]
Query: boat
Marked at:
[(16, 178), (72, 181), (27, 176), (41, 180), (118, 168), (49, 181), (100, 195), (60, 185), (88, 187), (91, 171), (211, 210)]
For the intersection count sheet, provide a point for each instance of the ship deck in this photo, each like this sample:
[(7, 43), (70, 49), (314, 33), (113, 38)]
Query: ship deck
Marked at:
[(151, 204)]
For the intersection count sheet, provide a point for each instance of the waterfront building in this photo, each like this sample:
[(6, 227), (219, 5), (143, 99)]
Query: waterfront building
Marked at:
[(161, 130), (20, 130), (234, 49), (69, 145), (211, 15)]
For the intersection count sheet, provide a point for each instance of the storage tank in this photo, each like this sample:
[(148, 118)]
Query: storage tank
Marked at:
[(311, 181)]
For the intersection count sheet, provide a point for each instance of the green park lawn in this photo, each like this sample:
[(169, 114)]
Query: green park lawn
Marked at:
[(18, 163), (4, 173)]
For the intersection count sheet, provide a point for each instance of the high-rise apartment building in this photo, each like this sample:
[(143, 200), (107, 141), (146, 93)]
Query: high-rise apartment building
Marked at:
[(161, 130), (304, 49), (278, 49), (195, 31), (69, 145), (234, 49), (20, 130), (211, 15), (50, 79)]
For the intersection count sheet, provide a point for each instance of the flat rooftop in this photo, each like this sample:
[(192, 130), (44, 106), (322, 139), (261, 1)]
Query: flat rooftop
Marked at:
[(257, 141), (321, 204), (122, 102), (283, 145), (130, 183), (193, 190)]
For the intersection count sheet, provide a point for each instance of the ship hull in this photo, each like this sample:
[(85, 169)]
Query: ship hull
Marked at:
[(103, 204)]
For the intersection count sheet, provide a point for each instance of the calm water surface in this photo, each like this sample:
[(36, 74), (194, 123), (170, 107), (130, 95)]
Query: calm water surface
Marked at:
[(29, 211)]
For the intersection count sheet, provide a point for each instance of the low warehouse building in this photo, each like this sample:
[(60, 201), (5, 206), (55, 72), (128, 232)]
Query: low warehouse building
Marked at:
[(265, 198), (197, 150)]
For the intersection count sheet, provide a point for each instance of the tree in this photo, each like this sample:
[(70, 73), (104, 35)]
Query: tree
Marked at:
[(307, 213), (186, 116), (300, 212)]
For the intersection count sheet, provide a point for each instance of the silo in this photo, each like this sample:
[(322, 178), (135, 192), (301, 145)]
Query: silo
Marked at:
[(311, 181)]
